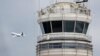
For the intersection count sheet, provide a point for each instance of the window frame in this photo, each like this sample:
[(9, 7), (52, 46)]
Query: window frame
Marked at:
[(79, 24), (65, 30), (47, 23), (86, 25), (54, 22)]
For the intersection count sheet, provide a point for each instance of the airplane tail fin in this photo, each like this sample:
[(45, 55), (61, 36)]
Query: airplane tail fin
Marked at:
[(22, 34)]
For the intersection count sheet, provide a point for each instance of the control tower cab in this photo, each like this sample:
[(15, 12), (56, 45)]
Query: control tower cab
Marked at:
[(64, 26), (65, 19)]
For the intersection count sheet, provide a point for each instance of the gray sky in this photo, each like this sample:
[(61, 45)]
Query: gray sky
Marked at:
[(20, 16)]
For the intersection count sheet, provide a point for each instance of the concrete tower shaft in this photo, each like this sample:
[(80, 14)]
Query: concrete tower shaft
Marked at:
[(64, 26)]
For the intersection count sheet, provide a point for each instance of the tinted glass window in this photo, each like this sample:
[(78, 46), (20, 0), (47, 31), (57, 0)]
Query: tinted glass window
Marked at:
[(68, 26), (64, 45), (47, 27), (85, 27), (79, 26), (57, 26), (42, 29), (69, 45), (82, 45), (43, 46), (55, 45)]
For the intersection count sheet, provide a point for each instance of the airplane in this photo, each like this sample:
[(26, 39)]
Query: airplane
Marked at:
[(14, 34)]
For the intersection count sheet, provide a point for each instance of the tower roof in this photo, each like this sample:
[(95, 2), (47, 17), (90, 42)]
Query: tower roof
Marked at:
[(66, 5)]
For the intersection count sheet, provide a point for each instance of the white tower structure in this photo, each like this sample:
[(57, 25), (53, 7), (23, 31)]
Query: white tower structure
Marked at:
[(64, 26)]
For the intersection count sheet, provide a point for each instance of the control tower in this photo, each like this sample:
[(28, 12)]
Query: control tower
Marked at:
[(64, 25)]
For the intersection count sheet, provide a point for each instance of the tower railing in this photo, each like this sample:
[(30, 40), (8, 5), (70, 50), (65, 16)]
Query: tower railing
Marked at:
[(65, 36)]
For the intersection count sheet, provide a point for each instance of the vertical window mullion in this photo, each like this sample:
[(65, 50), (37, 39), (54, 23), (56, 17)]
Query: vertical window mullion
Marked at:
[(51, 26), (86, 28), (83, 28), (74, 26)]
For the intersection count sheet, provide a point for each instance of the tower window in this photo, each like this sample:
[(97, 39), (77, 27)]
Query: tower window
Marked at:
[(43, 46), (41, 26), (55, 45), (57, 26), (66, 26), (64, 45), (69, 45), (79, 27), (69, 26), (85, 27), (47, 27)]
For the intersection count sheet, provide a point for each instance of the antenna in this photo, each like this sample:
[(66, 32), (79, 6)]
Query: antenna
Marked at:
[(81, 1)]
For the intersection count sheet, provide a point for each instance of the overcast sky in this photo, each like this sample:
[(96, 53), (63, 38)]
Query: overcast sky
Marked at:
[(20, 16)]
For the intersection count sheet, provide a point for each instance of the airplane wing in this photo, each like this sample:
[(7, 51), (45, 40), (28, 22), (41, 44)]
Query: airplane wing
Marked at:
[(13, 33)]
